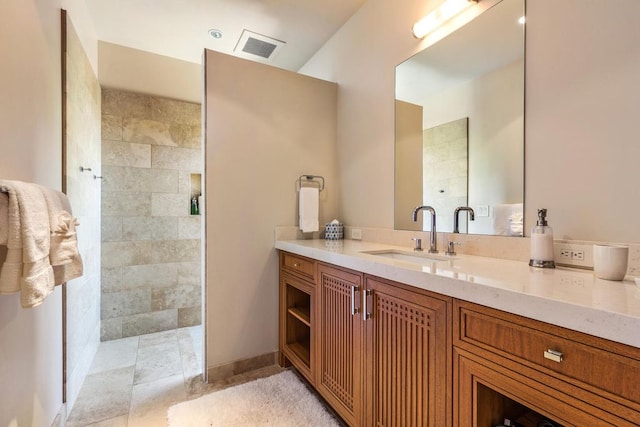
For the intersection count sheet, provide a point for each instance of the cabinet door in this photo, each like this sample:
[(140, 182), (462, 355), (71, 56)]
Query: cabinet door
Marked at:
[(406, 358), (339, 334)]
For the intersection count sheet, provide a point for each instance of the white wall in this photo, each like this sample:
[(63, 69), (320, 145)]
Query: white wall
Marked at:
[(582, 149), (581, 102), (361, 58), (144, 72), (30, 147), (265, 127)]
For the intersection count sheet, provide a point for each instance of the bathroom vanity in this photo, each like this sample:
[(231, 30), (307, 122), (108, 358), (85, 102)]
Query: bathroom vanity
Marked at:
[(391, 338)]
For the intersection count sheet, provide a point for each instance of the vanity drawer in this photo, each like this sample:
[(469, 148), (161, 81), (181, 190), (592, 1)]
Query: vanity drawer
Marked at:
[(298, 265), (589, 362)]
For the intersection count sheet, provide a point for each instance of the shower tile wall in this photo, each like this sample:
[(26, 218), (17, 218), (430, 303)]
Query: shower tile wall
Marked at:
[(151, 152)]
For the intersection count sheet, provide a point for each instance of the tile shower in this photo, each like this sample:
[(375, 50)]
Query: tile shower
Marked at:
[(152, 166)]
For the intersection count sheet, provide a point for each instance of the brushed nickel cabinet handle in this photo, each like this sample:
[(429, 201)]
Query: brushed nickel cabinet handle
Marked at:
[(354, 310), (554, 355), (365, 315)]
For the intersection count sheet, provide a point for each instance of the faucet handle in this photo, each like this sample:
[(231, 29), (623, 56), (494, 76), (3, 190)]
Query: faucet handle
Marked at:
[(418, 247), (450, 248)]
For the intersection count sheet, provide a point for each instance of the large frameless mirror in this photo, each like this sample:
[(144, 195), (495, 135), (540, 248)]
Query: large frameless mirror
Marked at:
[(460, 127)]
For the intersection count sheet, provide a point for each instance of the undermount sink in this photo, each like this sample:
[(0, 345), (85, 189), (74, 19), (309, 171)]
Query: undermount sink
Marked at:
[(422, 258)]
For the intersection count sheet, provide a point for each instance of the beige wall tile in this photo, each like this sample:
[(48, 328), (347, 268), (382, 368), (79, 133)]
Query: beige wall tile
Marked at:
[(189, 316), (111, 329), (147, 132), (112, 178), (149, 228), (111, 228), (187, 159), (190, 227), (122, 203), (171, 111), (117, 254), (147, 323), (175, 297), (126, 104), (125, 303), (150, 240), (184, 181), (150, 276), (170, 204), (119, 153), (186, 136), (111, 127), (120, 178), (189, 273), (111, 279)]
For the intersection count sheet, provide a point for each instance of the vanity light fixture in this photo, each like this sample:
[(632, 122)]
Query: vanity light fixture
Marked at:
[(439, 16)]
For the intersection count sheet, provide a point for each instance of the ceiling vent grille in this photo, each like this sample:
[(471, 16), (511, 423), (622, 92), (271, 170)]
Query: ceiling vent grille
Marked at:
[(257, 47)]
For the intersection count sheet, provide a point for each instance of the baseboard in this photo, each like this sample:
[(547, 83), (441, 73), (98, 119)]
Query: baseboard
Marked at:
[(222, 372)]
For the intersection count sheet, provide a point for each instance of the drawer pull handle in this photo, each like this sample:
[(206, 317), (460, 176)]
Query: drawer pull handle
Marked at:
[(554, 355), (296, 265), (354, 310)]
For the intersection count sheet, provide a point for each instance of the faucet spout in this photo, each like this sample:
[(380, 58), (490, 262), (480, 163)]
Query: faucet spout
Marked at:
[(433, 247), (456, 217)]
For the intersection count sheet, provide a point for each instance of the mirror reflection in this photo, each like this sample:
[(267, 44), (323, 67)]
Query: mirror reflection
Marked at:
[(460, 127)]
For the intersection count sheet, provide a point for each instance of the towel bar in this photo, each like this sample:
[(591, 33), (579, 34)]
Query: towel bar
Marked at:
[(311, 178)]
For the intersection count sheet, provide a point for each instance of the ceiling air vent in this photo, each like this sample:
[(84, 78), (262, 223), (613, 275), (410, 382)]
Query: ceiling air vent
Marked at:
[(257, 47)]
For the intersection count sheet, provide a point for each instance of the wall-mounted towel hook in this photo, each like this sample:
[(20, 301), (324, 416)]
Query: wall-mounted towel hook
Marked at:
[(97, 177), (83, 169)]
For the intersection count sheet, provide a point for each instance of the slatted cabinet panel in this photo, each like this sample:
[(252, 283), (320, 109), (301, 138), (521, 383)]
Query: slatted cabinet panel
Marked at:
[(338, 376), (406, 357)]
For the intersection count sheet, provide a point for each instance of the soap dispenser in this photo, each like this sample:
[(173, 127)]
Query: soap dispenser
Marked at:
[(542, 243)]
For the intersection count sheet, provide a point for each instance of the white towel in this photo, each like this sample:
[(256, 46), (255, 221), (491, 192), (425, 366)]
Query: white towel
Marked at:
[(63, 254), (507, 219), (41, 242), (4, 218), (27, 268), (309, 203)]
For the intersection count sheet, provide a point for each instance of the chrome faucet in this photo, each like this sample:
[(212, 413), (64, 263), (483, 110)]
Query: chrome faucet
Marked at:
[(456, 217), (433, 247)]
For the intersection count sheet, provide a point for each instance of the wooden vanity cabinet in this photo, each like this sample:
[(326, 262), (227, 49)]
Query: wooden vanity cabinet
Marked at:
[(407, 358), (383, 350), (339, 341), (297, 314), (508, 366), (386, 354)]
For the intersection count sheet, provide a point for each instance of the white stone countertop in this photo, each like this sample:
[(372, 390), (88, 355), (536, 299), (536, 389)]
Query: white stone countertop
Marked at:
[(566, 297)]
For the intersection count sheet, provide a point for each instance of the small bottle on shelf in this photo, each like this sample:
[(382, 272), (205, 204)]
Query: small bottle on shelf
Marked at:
[(194, 206)]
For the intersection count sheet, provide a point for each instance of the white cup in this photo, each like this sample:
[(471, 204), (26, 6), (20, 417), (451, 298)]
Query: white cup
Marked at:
[(610, 262)]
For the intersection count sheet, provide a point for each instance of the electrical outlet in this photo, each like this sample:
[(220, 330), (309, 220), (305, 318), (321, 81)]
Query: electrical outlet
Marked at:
[(573, 254), (356, 234), (577, 255)]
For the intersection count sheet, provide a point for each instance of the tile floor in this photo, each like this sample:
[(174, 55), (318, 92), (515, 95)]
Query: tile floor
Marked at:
[(133, 381)]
